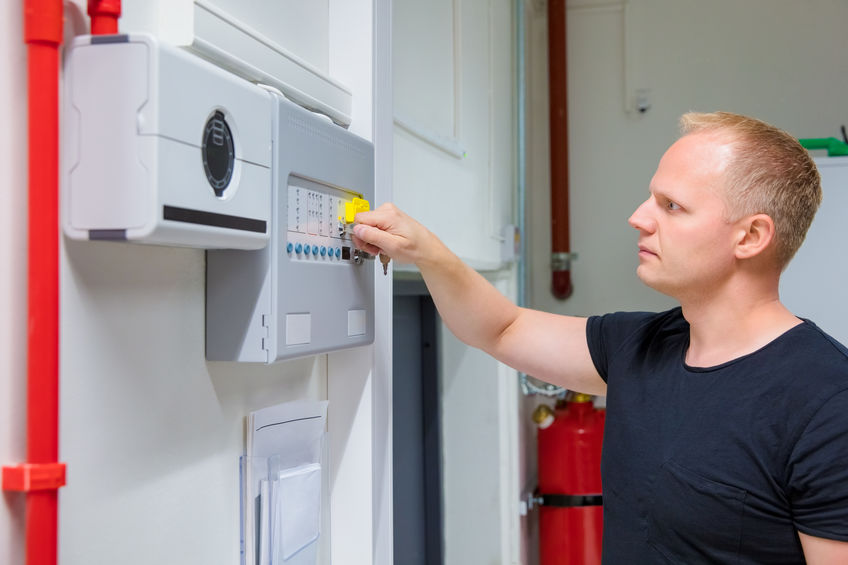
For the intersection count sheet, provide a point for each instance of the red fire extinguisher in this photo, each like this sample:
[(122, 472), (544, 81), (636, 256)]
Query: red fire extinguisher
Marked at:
[(569, 492)]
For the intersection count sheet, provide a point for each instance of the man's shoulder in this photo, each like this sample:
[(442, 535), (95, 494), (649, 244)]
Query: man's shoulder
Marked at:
[(635, 332), (807, 360), (650, 322), (817, 343)]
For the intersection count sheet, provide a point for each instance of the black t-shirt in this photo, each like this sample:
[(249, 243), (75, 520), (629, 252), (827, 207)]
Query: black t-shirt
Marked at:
[(720, 464)]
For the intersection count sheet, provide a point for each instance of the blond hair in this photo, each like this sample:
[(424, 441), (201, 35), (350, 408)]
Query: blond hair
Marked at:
[(769, 173)]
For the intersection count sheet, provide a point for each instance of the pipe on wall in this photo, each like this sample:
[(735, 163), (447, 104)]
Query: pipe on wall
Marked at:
[(41, 476), (104, 16), (561, 255)]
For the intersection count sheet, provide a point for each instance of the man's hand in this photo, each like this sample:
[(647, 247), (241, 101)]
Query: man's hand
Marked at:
[(547, 346), (389, 231)]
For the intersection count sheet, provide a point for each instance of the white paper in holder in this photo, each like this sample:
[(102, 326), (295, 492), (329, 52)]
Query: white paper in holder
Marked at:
[(298, 514)]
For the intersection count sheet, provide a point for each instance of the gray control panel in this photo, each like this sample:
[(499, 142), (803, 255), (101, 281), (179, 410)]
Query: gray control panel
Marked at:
[(309, 291)]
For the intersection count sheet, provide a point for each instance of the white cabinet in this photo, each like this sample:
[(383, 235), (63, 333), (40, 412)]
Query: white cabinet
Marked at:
[(454, 87), (283, 43)]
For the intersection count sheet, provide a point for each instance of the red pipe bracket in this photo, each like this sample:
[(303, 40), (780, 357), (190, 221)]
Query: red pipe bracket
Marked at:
[(29, 477), (43, 21)]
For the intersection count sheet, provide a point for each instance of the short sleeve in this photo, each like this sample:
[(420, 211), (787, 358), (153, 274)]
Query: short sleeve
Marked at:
[(605, 334), (818, 472)]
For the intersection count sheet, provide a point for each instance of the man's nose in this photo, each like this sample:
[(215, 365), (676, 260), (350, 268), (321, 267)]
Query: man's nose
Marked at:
[(641, 219)]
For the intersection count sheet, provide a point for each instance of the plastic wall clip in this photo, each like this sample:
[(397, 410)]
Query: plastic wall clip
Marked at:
[(28, 477)]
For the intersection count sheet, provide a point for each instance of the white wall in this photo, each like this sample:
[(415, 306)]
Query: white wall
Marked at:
[(382, 454), (778, 60), (480, 459), (13, 278), (454, 144), (150, 431), (454, 134)]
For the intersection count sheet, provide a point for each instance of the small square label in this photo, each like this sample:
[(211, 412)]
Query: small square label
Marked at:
[(298, 329), (355, 322)]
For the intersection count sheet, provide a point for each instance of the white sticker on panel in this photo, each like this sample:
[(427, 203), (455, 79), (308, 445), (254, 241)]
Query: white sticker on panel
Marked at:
[(355, 322), (319, 214), (313, 212), (294, 209), (328, 216), (298, 329)]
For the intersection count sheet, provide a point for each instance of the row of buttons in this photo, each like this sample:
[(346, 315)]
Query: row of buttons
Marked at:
[(314, 250)]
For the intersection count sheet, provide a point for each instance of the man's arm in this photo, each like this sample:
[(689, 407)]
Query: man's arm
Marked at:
[(547, 346), (823, 551)]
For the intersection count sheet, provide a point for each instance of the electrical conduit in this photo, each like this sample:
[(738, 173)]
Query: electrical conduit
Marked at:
[(41, 476), (104, 16)]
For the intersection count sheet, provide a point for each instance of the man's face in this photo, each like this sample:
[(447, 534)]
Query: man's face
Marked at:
[(685, 242)]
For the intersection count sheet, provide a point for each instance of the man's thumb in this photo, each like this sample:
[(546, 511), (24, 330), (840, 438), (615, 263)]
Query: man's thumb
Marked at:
[(368, 234)]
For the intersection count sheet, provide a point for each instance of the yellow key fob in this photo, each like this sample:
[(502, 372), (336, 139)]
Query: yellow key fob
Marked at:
[(354, 207)]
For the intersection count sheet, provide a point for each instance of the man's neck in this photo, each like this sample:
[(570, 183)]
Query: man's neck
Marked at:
[(733, 324)]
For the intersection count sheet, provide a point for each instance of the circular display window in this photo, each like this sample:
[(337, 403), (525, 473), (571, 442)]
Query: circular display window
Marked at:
[(218, 151)]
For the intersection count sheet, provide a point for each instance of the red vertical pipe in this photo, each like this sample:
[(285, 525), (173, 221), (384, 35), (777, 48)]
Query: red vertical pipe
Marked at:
[(41, 476), (104, 16), (558, 93), (43, 35)]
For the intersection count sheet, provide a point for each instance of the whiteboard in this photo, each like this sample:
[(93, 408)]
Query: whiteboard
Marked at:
[(815, 282)]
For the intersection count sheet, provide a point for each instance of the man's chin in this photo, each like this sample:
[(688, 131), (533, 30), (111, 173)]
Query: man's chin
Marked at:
[(654, 283), (646, 279)]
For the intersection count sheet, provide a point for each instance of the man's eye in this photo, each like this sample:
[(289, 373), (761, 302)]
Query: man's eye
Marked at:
[(672, 205)]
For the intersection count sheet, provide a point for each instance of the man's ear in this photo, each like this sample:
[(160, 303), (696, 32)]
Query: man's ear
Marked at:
[(756, 233)]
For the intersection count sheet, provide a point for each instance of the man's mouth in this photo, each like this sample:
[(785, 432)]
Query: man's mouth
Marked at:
[(644, 251)]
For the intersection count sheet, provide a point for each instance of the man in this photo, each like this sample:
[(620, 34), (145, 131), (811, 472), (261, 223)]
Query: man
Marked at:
[(726, 436)]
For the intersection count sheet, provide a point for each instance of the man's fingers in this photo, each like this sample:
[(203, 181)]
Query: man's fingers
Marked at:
[(389, 231), (371, 235), (366, 218), (383, 217), (367, 247)]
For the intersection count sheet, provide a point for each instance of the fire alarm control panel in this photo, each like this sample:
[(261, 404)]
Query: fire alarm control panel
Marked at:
[(309, 291), (163, 147)]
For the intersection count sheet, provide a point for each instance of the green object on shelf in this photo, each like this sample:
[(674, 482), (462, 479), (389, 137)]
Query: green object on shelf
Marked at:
[(834, 146)]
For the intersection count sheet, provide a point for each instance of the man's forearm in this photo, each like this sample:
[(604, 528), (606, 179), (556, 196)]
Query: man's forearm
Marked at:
[(474, 310), (470, 306)]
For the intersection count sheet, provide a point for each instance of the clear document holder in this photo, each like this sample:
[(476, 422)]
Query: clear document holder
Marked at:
[(281, 499)]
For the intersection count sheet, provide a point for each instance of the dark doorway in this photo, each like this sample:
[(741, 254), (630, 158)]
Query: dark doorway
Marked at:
[(416, 419)]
